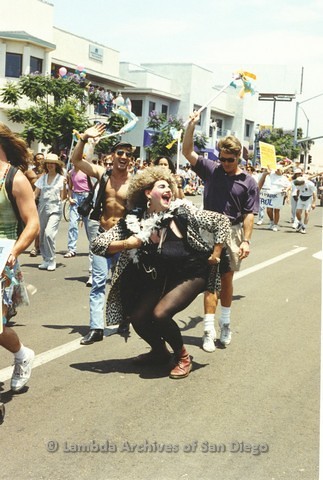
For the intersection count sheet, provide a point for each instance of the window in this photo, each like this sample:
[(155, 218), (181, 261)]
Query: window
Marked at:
[(152, 106), (36, 65), (136, 107), (13, 65), (248, 130), (164, 109)]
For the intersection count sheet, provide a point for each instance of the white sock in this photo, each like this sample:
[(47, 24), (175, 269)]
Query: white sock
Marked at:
[(225, 316), (21, 354), (209, 322)]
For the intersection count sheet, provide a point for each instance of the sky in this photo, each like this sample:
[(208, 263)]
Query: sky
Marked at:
[(242, 34)]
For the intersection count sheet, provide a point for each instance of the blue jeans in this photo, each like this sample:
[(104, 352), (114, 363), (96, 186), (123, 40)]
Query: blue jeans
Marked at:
[(91, 226), (100, 271), (73, 228)]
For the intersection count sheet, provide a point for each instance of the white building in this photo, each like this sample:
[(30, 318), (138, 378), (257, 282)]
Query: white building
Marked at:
[(30, 42)]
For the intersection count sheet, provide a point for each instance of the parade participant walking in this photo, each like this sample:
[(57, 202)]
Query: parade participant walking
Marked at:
[(16, 197), (51, 191), (294, 196), (229, 190), (279, 191), (165, 263), (305, 203), (113, 201), (34, 172)]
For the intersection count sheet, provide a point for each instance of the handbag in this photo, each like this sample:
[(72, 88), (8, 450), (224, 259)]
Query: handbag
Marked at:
[(86, 205)]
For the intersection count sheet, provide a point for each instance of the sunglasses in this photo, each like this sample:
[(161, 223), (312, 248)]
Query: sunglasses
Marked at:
[(120, 153), (230, 160)]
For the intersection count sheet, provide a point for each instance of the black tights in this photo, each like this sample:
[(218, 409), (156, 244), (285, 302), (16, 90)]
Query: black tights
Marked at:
[(152, 317)]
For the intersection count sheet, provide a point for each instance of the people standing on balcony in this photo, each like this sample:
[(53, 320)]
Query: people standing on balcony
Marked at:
[(231, 191), (51, 191), (113, 201)]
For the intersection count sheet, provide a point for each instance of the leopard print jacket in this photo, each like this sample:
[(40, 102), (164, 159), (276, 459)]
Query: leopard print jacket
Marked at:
[(203, 229)]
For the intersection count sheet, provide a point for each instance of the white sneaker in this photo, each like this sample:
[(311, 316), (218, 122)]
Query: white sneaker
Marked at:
[(294, 226), (43, 266), (259, 222), (270, 226), (208, 341), (22, 371), (89, 281), (225, 336), (299, 227), (275, 228), (303, 229), (51, 266)]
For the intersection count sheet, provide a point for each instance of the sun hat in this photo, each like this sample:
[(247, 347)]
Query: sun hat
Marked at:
[(53, 158)]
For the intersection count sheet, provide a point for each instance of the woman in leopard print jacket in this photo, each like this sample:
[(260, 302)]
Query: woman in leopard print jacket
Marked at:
[(169, 254)]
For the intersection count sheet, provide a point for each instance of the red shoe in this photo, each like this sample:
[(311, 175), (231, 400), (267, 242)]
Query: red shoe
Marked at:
[(183, 366)]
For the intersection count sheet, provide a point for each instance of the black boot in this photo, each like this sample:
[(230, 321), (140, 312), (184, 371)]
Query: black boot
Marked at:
[(94, 335)]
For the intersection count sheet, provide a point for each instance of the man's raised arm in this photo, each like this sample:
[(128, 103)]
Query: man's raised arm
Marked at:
[(77, 156), (188, 140)]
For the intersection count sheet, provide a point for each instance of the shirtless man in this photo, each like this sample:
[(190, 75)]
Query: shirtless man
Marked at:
[(113, 209)]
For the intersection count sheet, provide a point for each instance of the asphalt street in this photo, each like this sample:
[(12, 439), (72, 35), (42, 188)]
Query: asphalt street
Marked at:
[(246, 412)]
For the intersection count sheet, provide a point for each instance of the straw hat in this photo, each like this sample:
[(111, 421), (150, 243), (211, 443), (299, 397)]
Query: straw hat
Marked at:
[(53, 158)]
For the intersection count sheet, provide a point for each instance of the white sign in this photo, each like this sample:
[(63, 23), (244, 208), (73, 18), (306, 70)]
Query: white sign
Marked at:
[(271, 200), (96, 53)]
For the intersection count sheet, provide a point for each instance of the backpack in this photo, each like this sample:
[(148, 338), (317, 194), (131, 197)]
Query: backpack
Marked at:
[(8, 186), (98, 207)]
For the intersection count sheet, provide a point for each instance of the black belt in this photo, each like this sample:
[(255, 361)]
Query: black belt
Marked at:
[(235, 222)]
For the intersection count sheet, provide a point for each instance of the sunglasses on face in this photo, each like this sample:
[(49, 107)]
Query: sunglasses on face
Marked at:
[(230, 160), (120, 153)]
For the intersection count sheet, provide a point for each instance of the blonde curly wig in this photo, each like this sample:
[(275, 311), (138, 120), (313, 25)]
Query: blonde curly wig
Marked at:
[(145, 180)]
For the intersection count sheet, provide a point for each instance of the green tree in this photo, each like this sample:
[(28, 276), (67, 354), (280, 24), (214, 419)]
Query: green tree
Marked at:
[(284, 142), (56, 107), (162, 140)]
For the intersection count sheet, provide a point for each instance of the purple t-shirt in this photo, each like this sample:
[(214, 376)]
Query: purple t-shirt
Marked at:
[(233, 195)]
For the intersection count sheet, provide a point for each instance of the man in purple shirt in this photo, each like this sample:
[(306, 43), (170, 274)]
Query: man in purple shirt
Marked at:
[(229, 190)]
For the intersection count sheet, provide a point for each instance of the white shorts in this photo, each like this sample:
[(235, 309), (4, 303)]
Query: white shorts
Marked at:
[(304, 204)]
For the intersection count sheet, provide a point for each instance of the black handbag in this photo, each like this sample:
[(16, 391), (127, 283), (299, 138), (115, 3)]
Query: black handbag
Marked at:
[(86, 205)]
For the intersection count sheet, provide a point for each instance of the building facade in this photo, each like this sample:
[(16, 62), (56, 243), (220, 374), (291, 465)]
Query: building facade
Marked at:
[(29, 43)]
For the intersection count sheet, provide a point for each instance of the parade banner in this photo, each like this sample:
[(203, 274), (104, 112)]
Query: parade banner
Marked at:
[(267, 155), (5, 250), (271, 200)]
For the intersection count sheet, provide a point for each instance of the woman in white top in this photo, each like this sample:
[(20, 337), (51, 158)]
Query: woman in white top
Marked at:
[(279, 189), (51, 190)]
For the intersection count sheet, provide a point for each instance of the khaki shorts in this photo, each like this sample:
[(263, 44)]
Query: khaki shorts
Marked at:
[(233, 247)]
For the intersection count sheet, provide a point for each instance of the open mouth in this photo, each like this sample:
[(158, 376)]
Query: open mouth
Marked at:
[(166, 197)]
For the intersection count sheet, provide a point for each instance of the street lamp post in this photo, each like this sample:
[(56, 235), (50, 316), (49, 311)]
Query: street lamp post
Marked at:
[(296, 114), (307, 136), (255, 145)]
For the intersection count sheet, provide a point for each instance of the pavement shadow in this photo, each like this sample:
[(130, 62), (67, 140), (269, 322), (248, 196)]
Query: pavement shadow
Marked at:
[(6, 397), (35, 265), (127, 366), (81, 329), (77, 279), (188, 325)]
